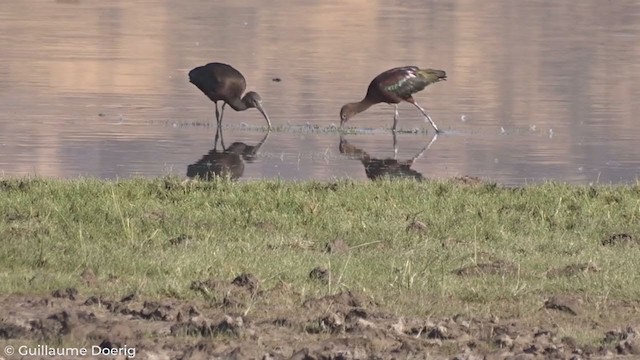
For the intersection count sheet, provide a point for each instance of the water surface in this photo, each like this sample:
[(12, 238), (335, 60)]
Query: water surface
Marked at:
[(536, 90)]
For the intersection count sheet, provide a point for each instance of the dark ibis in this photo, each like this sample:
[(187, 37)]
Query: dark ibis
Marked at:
[(392, 87), (221, 82)]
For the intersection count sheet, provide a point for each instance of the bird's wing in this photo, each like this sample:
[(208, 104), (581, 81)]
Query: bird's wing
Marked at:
[(400, 82), (406, 81), (207, 79)]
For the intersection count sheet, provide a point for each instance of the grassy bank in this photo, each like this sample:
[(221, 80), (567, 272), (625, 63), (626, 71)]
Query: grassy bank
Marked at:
[(419, 248)]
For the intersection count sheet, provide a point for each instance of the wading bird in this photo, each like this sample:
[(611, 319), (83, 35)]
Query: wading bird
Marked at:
[(221, 82), (392, 87)]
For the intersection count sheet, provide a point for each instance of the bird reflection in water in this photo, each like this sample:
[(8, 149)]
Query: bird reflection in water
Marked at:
[(389, 168), (228, 162)]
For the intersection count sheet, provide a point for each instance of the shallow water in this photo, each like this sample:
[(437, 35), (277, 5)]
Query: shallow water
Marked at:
[(536, 90)]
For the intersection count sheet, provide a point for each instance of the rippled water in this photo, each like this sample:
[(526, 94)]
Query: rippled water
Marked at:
[(536, 89)]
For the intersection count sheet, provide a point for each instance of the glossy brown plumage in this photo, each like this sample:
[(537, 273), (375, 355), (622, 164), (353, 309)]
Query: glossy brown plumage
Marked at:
[(221, 82), (392, 87)]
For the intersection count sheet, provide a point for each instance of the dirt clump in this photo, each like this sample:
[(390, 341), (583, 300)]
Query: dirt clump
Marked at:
[(620, 239), (321, 274)]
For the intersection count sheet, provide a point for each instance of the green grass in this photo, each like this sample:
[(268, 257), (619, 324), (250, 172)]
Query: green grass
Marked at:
[(52, 230)]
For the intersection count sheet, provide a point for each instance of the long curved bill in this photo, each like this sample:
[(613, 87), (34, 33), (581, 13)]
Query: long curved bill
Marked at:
[(264, 113)]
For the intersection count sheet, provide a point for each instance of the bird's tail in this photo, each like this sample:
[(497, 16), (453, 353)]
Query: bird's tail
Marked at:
[(432, 75)]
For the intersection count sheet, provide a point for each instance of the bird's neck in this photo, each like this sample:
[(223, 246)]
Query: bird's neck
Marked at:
[(362, 105), (238, 104)]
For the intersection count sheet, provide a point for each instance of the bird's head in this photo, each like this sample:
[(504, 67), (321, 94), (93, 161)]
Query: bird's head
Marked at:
[(253, 99), (433, 76), (347, 112)]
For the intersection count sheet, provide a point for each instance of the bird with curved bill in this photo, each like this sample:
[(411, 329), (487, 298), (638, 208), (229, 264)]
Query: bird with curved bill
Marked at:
[(393, 87), (222, 82)]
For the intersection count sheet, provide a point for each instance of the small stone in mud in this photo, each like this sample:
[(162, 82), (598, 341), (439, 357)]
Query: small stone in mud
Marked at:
[(337, 246), (68, 293), (248, 281), (276, 79), (321, 274), (620, 239)]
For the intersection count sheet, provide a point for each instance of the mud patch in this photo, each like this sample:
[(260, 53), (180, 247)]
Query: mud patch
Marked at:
[(279, 323)]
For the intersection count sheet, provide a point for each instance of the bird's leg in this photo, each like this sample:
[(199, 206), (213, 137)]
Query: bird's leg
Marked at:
[(221, 139), (395, 146), (395, 119), (219, 126), (217, 114), (215, 141), (427, 116), (222, 113)]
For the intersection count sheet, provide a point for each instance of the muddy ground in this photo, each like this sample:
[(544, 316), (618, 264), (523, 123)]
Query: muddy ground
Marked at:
[(240, 320)]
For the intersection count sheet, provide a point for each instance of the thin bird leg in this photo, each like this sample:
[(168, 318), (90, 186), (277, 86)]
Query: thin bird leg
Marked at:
[(427, 116), (215, 141), (221, 139), (424, 149), (217, 114), (222, 113), (395, 146), (220, 126), (395, 119)]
